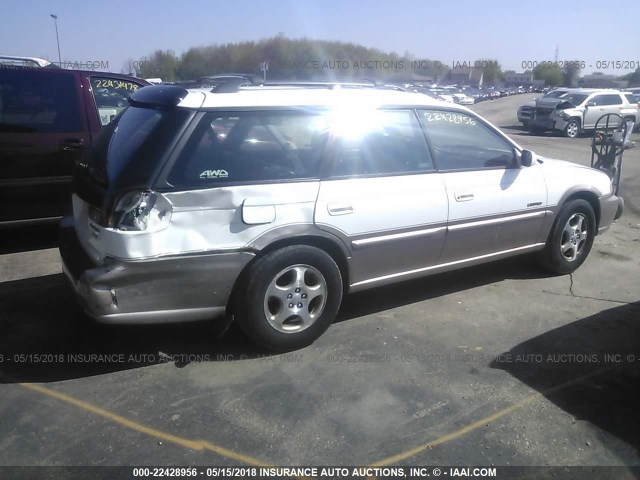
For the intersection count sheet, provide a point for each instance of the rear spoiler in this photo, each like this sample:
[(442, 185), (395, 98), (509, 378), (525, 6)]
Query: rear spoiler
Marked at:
[(158, 96)]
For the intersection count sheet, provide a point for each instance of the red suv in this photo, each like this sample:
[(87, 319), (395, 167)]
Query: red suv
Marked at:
[(48, 116)]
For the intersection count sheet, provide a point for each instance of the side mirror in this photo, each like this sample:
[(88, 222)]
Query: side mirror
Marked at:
[(591, 104), (526, 158)]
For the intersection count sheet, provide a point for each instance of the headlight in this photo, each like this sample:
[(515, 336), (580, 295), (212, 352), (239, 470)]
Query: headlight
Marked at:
[(562, 114), (142, 212)]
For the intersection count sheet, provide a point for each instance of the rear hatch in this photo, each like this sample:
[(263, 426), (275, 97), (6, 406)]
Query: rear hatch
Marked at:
[(127, 155)]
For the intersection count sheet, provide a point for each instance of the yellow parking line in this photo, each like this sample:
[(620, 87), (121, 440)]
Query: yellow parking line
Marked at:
[(395, 459), (199, 445)]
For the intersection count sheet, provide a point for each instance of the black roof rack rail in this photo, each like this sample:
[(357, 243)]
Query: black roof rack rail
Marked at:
[(235, 86), (233, 82)]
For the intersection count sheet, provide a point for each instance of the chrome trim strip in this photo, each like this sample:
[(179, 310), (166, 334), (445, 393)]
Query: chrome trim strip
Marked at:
[(29, 221), (443, 265), (396, 236), (493, 221), (161, 316)]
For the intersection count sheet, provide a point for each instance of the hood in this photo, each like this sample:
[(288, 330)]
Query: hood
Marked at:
[(549, 103), (530, 104), (555, 163)]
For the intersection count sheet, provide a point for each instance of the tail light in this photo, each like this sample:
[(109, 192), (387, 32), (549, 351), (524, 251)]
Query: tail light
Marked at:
[(142, 212)]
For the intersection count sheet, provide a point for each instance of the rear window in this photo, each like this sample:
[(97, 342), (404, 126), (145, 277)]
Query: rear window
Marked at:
[(632, 98), (250, 147), (129, 150)]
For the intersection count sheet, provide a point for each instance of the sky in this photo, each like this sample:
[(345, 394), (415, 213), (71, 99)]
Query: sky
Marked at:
[(513, 32)]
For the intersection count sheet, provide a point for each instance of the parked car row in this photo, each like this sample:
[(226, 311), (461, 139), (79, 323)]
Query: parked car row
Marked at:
[(464, 95), (575, 110)]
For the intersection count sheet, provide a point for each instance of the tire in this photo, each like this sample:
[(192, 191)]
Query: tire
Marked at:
[(289, 297), (571, 238), (525, 125), (572, 129)]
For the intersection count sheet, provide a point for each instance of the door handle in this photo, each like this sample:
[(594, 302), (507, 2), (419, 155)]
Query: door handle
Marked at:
[(70, 144), (464, 197), (341, 208)]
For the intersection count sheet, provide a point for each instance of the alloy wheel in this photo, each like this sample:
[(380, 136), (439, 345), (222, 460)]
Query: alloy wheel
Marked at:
[(295, 298)]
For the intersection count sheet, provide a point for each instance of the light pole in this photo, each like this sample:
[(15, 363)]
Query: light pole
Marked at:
[(55, 21)]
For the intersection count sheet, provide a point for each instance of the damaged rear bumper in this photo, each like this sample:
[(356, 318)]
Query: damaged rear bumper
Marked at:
[(179, 288)]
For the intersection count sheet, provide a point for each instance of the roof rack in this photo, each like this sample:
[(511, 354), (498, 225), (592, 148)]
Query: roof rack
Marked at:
[(25, 61), (231, 87)]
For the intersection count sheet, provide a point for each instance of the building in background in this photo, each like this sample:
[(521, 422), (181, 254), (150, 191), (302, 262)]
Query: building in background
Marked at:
[(466, 76), (598, 80), (513, 79)]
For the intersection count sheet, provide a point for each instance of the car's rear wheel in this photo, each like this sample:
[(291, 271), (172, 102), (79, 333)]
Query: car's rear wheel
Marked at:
[(571, 238), (289, 297), (572, 129)]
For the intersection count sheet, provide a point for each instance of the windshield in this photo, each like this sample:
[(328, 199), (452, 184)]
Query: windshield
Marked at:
[(128, 151), (555, 94)]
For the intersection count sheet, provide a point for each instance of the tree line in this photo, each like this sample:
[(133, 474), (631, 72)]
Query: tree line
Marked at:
[(287, 59), (306, 59)]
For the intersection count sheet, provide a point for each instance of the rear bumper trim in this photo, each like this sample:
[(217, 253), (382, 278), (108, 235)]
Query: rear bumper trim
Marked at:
[(154, 291)]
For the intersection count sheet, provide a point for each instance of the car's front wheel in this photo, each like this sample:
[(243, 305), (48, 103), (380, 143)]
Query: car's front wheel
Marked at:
[(289, 297), (572, 129), (571, 238)]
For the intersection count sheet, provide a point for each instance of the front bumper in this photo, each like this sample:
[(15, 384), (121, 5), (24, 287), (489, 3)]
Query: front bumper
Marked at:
[(559, 123), (179, 288), (524, 115), (544, 122), (611, 208)]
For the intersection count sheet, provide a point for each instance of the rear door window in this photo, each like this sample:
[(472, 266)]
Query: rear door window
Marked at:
[(251, 147), (39, 102), (613, 99), (382, 142), (111, 96)]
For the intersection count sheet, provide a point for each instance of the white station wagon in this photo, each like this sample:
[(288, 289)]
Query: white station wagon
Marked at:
[(271, 203)]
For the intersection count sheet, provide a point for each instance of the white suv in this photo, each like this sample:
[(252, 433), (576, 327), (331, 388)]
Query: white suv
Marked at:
[(269, 204), (580, 109)]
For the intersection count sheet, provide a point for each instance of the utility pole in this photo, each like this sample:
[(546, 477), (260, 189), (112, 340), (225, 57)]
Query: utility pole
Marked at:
[(55, 21), (557, 53)]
